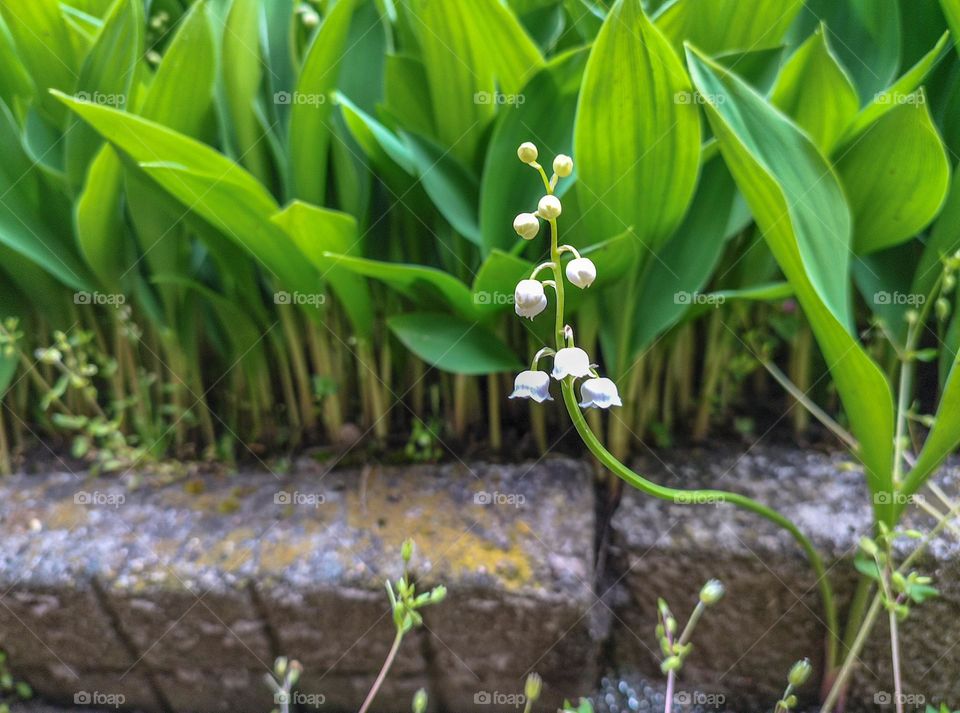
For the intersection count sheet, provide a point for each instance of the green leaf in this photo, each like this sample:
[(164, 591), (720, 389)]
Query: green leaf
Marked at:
[(453, 189), (717, 26), (424, 285), (943, 242), (453, 344), (897, 93), (47, 48), (474, 53), (318, 232), (407, 94), (310, 128), (799, 206), (896, 176), (816, 92), (208, 184), (546, 118), (107, 76), (242, 76), (637, 132), (683, 265), (99, 218), (951, 10)]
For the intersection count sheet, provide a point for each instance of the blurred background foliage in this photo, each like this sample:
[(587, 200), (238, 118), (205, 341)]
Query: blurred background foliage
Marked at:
[(232, 227)]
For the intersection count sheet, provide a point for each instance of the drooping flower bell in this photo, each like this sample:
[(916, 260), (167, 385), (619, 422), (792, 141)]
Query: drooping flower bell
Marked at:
[(529, 298), (599, 393), (527, 152), (581, 272), (563, 165), (571, 361), (527, 225), (533, 385)]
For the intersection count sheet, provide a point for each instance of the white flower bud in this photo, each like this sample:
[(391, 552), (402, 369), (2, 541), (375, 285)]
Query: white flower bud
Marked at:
[(563, 165), (571, 361), (527, 152), (599, 393), (549, 207), (529, 298), (712, 592), (527, 225), (581, 272), (533, 385)]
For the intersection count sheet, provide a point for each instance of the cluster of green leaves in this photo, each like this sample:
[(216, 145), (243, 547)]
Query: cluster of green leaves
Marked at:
[(227, 165)]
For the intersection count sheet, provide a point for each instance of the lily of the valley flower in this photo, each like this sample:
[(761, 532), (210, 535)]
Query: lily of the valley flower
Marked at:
[(532, 385), (581, 272), (599, 393), (527, 152), (549, 207), (571, 361), (529, 298), (563, 165), (527, 225)]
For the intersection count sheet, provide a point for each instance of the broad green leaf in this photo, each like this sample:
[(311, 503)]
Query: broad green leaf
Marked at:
[(453, 344), (637, 132), (309, 141), (883, 279), (107, 76), (799, 206), (407, 94), (451, 186), (717, 26), (318, 232), (47, 48), (681, 268), (15, 80), (475, 54), (895, 176), (865, 35), (546, 118), (424, 285), (898, 93), (497, 279), (377, 141), (815, 91), (99, 217), (181, 93), (206, 183), (242, 75), (758, 67)]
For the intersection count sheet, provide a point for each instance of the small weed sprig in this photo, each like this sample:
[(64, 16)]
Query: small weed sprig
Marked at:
[(676, 648), (799, 673), (282, 682), (406, 605)]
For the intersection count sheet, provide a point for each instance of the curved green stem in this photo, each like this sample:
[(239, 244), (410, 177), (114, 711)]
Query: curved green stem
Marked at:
[(700, 496)]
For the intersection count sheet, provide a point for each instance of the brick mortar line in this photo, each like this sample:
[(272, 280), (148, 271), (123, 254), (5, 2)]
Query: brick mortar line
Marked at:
[(116, 623)]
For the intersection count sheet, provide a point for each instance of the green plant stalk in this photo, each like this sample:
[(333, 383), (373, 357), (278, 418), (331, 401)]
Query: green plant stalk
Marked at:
[(381, 677), (493, 412), (685, 496), (299, 365), (5, 465)]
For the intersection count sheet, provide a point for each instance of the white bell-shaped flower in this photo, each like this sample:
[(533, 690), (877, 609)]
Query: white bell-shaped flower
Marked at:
[(527, 225), (527, 152), (563, 165), (571, 361), (532, 385), (581, 272), (599, 393), (549, 207), (529, 299)]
